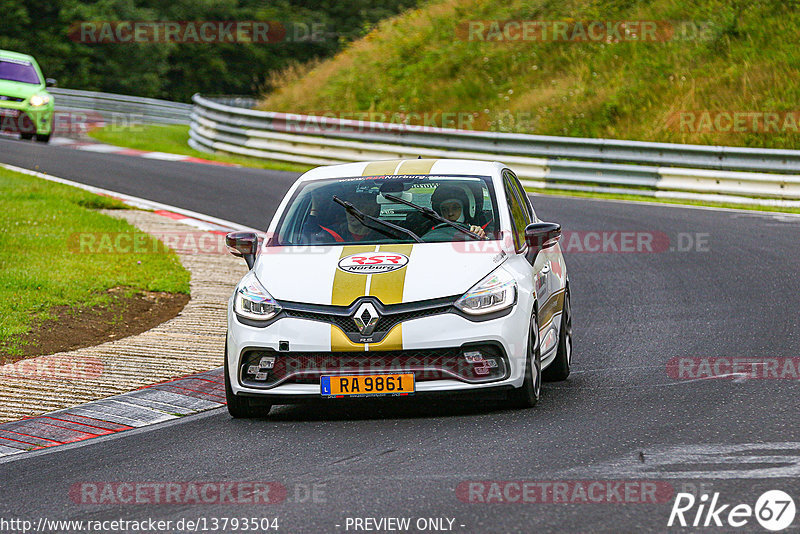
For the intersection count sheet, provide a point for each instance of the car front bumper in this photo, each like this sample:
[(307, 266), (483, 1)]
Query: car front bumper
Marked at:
[(445, 333), (20, 117)]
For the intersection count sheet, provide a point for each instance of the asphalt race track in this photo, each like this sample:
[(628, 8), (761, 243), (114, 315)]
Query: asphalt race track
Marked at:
[(201, 188), (623, 415)]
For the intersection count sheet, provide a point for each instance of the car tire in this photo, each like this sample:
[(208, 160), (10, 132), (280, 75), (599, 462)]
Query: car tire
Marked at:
[(43, 138), (561, 366), (242, 407), (528, 395), (26, 136)]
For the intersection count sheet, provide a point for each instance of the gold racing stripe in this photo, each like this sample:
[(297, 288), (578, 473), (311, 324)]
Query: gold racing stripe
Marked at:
[(347, 287), (377, 168), (388, 287), (399, 166), (392, 341), (416, 166), (341, 343), (550, 308)]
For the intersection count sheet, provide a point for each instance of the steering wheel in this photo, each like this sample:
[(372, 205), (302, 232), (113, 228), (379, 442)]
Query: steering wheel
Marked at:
[(445, 225)]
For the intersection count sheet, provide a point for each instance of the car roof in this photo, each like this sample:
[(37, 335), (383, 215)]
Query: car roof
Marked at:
[(405, 167), (16, 55)]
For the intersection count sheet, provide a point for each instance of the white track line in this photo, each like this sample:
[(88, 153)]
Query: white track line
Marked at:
[(100, 148)]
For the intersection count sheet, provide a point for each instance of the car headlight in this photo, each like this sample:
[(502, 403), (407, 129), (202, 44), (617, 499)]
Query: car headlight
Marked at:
[(496, 292), (39, 100), (252, 301)]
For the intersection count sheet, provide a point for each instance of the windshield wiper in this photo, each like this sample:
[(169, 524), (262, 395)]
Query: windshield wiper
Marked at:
[(363, 218), (433, 215)]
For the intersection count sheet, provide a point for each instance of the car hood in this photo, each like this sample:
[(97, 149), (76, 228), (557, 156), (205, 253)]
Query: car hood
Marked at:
[(393, 273), (17, 89)]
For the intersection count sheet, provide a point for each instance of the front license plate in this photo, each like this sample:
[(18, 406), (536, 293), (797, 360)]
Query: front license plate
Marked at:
[(367, 385), (9, 112)]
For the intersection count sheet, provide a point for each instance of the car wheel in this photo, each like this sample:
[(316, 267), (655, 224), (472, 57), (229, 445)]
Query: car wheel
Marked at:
[(560, 368), (43, 138), (26, 136), (242, 407), (528, 395)]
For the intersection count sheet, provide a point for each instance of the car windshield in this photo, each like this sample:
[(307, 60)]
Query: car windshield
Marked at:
[(17, 70), (313, 217)]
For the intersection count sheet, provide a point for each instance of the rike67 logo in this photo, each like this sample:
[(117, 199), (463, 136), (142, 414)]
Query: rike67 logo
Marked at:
[(774, 510)]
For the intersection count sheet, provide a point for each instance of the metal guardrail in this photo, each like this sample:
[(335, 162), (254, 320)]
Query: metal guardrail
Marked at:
[(655, 169), (121, 109)]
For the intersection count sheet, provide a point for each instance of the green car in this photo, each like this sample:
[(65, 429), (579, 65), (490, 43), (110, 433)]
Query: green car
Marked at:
[(25, 105)]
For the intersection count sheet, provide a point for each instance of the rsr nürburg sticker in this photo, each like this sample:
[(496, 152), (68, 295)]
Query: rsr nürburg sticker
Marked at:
[(373, 262)]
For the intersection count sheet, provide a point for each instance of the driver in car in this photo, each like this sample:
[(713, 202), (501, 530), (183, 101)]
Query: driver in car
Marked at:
[(451, 203)]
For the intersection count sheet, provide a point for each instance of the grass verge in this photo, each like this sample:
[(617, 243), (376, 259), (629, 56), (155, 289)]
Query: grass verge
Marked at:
[(41, 268), (172, 139), (716, 59), (643, 198)]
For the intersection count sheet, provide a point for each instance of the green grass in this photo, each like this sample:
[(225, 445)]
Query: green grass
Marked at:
[(173, 139), (642, 198), (41, 264), (748, 60)]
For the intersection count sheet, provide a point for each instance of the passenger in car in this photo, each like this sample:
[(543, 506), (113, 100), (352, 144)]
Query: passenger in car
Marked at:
[(349, 229)]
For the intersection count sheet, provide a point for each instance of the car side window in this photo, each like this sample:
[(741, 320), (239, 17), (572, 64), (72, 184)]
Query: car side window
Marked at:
[(523, 196), (519, 217)]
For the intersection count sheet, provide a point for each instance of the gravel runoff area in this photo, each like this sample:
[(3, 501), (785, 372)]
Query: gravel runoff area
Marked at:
[(191, 342)]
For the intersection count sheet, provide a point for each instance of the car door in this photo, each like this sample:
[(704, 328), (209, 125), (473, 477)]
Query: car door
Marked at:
[(549, 279), (545, 284)]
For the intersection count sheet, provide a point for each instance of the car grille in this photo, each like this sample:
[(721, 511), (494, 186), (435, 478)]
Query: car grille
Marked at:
[(383, 326), (10, 98), (432, 364), (390, 316)]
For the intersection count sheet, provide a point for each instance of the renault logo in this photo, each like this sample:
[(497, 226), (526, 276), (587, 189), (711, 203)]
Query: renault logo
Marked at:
[(366, 317)]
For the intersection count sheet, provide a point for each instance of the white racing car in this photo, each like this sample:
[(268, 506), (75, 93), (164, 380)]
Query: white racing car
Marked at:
[(406, 277)]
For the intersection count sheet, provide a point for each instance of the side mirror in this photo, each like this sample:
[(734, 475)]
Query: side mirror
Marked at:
[(50, 82), (243, 245), (540, 236)]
